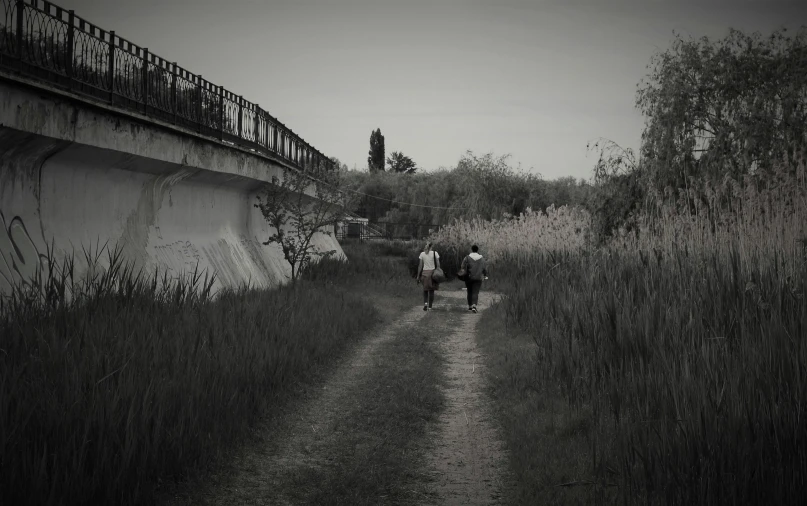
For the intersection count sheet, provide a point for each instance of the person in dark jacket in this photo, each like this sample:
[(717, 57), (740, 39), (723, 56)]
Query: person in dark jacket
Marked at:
[(476, 270)]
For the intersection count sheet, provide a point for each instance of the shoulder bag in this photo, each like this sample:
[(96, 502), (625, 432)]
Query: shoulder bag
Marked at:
[(463, 272), (438, 276)]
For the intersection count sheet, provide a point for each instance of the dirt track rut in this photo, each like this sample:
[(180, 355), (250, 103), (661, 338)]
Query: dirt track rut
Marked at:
[(467, 453), (466, 458)]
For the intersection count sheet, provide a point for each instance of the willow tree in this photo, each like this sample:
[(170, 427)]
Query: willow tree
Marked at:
[(733, 106)]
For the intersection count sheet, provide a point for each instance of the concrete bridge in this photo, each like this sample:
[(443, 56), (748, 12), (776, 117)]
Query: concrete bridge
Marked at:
[(103, 142)]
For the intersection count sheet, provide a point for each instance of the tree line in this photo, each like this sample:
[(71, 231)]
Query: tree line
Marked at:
[(397, 161), (732, 107)]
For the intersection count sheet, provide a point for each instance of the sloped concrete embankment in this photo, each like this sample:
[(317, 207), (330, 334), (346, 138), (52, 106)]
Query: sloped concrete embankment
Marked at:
[(167, 200)]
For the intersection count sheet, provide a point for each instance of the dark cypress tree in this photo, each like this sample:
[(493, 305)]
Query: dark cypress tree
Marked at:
[(375, 161)]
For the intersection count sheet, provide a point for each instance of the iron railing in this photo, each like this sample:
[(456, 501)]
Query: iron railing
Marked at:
[(43, 41)]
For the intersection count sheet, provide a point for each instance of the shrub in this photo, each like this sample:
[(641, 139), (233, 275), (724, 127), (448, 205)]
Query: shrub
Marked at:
[(377, 261)]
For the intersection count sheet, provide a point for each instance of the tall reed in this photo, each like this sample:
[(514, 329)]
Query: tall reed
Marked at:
[(558, 229), (135, 379), (686, 342), (756, 217), (694, 373)]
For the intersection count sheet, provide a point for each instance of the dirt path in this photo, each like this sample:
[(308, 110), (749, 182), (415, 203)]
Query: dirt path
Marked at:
[(467, 455)]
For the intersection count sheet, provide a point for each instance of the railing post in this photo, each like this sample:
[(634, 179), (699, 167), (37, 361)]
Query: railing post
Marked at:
[(145, 76), (240, 116), (282, 150), (222, 116), (20, 15), (199, 103), (174, 90), (68, 65), (274, 138), (111, 65), (257, 131)]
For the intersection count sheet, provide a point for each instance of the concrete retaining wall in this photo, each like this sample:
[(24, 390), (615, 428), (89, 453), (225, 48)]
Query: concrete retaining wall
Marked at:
[(77, 176)]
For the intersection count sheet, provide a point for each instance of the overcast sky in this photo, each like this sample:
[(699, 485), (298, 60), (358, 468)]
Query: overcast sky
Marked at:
[(534, 79)]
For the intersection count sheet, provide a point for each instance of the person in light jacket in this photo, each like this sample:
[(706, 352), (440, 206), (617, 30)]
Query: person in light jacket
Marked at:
[(429, 260), (476, 269)]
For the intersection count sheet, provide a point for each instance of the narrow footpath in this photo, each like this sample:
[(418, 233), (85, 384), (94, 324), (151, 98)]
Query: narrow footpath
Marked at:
[(467, 454), (461, 458)]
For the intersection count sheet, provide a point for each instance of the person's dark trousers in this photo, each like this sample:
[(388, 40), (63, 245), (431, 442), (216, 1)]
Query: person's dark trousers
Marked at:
[(428, 297), (472, 287)]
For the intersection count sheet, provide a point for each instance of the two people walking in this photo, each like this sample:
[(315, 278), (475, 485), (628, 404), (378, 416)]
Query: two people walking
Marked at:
[(472, 270)]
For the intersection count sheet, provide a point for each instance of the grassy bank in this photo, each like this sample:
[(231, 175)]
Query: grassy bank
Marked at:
[(547, 439), (686, 373), (137, 381), (664, 367)]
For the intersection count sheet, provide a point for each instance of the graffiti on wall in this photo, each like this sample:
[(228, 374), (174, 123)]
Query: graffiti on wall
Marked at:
[(20, 260)]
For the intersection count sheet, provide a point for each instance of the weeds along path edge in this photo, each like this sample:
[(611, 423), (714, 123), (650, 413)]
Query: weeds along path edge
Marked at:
[(134, 386), (296, 444), (547, 440)]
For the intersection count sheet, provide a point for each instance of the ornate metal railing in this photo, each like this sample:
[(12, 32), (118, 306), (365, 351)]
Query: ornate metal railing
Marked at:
[(44, 41)]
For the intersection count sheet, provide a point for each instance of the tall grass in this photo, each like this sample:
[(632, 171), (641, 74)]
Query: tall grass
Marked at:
[(694, 374), (135, 379), (557, 229), (686, 343), (756, 217)]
